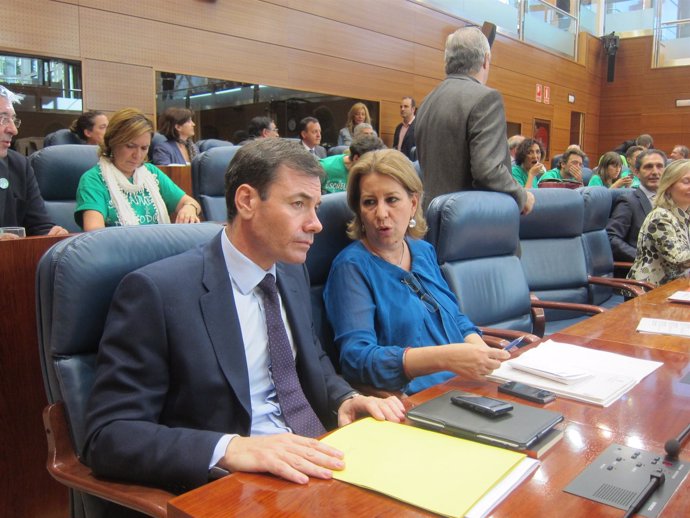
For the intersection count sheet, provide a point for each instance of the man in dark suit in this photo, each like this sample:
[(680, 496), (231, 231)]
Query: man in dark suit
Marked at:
[(403, 139), (21, 204), (632, 208), (310, 135), (460, 128), (187, 383)]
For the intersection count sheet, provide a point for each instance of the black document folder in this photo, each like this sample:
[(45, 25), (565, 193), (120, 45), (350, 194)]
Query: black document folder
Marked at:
[(519, 429)]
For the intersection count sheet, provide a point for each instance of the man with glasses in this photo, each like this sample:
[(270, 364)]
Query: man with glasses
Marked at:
[(21, 204)]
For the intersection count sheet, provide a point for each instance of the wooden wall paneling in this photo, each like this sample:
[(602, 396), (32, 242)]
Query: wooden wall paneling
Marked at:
[(111, 86), (44, 28), (428, 62), (390, 118)]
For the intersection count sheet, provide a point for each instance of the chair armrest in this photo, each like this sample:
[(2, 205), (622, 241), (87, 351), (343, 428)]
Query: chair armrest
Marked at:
[(621, 268), (619, 284), (368, 390), (499, 338), (570, 306), (66, 468)]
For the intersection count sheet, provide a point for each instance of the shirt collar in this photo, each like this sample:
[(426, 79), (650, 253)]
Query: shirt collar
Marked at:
[(243, 272), (649, 194)]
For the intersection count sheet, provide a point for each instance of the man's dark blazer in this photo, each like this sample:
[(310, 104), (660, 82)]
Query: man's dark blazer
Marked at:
[(408, 141), (460, 132), (172, 373), (21, 204), (625, 222)]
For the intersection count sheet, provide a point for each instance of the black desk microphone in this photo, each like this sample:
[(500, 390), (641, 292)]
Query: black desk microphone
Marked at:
[(672, 446), (655, 480)]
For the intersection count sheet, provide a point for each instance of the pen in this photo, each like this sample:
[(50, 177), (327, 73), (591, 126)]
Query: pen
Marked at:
[(514, 344)]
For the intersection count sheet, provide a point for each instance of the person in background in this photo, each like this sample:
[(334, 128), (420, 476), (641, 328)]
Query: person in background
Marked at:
[(358, 114), (90, 127), (460, 128), (608, 172), (528, 163), (679, 152), (177, 126), (569, 168), (337, 167), (395, 320), (21, 204), (124, 190), (262, 127), (630, 159), (209, 363), (631, 209), (663, 246), (403, 139), (310, 136), (513, 143)]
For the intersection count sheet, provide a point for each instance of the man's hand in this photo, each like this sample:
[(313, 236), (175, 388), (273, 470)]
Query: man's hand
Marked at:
[(6, 236), (529, 204), (288, 456), (57, 231), (575, 172), (388, 409)]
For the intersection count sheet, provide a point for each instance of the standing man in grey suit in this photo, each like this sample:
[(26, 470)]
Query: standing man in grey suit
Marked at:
[(209, 363), (461, 126), (632, 208)]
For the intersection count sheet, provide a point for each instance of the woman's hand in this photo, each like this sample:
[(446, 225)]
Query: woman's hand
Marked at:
[(187, 214), (624, 181)]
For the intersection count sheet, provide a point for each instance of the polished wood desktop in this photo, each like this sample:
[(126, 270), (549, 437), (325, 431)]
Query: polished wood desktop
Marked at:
[(27, 489), (620, 323), (651, 413), (181, 175)]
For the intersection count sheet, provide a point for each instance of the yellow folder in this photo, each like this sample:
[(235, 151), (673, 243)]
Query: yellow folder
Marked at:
[(437, 472)]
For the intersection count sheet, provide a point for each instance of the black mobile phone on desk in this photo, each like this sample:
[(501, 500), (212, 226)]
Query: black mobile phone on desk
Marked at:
[(527, 392), (482, 405)]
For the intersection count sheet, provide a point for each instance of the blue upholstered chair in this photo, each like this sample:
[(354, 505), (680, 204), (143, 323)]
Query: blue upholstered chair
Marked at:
[(60, 137), (209, 143), (334, 215), (58, 170), (75, 283), (475, 235), (337, 150), (604, 290), (208, 180), (553, 256), (586, 175)]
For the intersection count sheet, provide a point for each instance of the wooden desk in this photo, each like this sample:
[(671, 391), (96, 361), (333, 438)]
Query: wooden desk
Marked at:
[(619, 324), (181, 175), (645, 418), (27, 489)]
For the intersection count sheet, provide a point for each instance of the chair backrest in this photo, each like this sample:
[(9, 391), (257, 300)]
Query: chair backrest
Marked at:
[(552, 253), (156, 140), (475, 235), (586, 175), (598, 254), (75, 282), (58, 170), (209, 143), (337, 150), (208, 180), (418, 168), (60, 137), (334, 215)]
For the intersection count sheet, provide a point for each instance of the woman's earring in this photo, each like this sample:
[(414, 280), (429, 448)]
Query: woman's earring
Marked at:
[(413, 223)]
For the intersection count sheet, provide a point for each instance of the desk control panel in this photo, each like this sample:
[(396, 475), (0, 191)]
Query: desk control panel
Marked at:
[(620, 473)]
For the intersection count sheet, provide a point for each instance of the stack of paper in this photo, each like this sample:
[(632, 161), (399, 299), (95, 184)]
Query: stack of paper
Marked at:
[(610, 375), (544, 368), (442, 474), (680, 296), (660, 326)]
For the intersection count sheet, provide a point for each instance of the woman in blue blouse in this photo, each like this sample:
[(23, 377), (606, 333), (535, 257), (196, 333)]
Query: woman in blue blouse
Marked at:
[(396, 322)]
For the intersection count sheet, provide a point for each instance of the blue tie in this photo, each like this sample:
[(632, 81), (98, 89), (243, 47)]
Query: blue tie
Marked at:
[(298, 413)]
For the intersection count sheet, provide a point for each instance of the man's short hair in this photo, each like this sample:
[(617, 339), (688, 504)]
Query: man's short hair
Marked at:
[(644, 140), (630, 152), (10, 95), (257, 163), (305, 122), (465, 51), (412, 103), (514, 141), (257, 125), (360, 127), (646, 153), (365, 143)]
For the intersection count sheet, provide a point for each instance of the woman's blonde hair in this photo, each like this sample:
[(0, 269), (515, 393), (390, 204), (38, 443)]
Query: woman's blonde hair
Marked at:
[(672, 174), (351, 117), (389, 162), (125, 126)]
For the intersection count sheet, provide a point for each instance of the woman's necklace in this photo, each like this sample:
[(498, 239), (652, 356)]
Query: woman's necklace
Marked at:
[(402, 254)]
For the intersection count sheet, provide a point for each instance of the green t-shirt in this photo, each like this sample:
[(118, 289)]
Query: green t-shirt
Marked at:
[(520, 176), (597, 181), (93, 194), (552, 174), (336, 174)]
